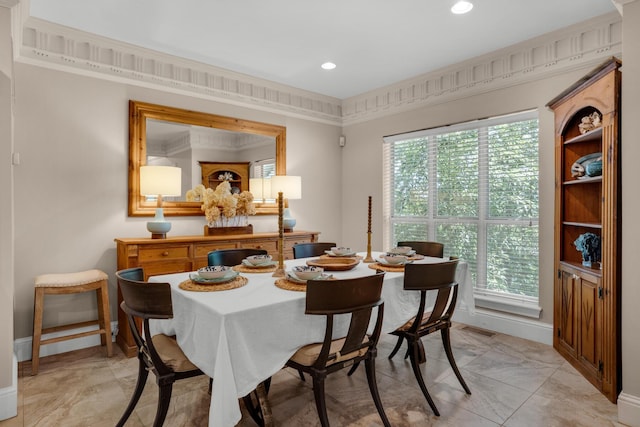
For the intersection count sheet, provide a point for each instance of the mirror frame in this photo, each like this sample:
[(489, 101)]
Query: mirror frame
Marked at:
[(139, 112)]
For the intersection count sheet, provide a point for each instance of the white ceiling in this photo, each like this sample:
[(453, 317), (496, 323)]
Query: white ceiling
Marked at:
[(373, 42)]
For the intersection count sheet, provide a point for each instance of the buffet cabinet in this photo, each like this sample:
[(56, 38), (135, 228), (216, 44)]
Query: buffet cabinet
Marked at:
[(188, 253), (588, 227)]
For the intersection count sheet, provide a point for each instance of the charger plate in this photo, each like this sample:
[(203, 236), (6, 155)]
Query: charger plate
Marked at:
[(334, 263), (388, 268), (189, 285), (288, 285), (262, 269)]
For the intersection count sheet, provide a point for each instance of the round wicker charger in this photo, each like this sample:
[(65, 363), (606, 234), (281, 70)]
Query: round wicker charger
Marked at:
[(244, 269), (189, 285), (288, 285), (388, 268)]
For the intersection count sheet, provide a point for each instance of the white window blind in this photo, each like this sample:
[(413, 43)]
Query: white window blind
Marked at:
[(474, 187), (263, 168)]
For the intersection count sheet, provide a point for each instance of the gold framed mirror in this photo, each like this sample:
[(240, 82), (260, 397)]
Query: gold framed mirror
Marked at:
[(169, 126)]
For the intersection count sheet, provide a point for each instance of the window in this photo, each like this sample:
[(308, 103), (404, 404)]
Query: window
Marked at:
[(263, 168), (474, 187)]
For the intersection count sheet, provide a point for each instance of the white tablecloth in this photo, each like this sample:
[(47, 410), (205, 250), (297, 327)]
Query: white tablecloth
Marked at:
[(243, 336)]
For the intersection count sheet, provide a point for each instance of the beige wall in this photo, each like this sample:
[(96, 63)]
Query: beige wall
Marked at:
[(630, 203), (6, 207), (364, 143), (71, 186)]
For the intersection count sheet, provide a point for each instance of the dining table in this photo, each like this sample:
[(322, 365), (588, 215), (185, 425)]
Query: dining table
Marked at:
[(243, 336)]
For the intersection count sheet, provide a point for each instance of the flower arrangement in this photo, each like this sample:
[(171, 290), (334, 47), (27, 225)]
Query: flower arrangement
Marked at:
[(221, 207)]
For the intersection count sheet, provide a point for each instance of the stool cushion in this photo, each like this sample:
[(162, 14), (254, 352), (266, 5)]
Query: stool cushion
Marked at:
[(69, 279)]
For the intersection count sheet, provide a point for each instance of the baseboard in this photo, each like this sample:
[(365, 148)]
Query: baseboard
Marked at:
[(506, 324), (22, 346), (629, 410), (9, 395)]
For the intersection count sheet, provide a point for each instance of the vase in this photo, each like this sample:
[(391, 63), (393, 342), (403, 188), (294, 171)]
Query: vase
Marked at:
[(288, 222)]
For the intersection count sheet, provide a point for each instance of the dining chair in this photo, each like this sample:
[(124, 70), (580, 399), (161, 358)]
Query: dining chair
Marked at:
[(305, 250), (231, 257), (434, 249), (160, 353), (440, 278), (356, 297)]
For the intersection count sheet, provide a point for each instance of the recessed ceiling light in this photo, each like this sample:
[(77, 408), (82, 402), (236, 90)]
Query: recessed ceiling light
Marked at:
[(328, 66), (462, 7)]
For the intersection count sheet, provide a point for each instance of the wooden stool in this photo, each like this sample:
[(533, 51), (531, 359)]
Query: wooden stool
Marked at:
[(70, 283)]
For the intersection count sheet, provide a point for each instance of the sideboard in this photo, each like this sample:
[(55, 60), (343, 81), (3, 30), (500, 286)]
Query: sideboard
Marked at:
[(188, 253)]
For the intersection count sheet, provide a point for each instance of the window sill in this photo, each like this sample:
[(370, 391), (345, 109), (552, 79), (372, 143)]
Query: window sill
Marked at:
[(508, 305)]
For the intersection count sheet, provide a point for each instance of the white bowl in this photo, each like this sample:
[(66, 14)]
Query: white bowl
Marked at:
[(341, 251), (259, 259), (400, 250), (395, 258), (307, 272), (214, 271)]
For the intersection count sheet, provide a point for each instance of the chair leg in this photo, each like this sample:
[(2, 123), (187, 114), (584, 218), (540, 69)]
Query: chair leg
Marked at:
[(38, 307), (353, 368), (257, 404), (321, 404), (414, 356), (446, 342), (370, 367), (141, 382), (104, 318), (397, 347), (164, 398)]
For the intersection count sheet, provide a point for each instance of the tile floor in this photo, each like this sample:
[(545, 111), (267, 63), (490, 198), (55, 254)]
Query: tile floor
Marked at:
[(515, 383)]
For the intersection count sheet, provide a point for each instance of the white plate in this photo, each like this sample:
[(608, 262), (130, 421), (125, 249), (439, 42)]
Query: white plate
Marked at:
[(263, 265), (292, 276), (398, 264), (226, 278), (410, 253), (336, 255)]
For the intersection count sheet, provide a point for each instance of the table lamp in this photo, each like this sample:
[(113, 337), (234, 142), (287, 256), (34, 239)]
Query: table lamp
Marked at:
[(290, 187), (159, 181)]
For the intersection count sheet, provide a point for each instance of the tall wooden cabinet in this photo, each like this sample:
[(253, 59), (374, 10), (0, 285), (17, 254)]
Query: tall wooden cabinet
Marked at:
[(587, 298)]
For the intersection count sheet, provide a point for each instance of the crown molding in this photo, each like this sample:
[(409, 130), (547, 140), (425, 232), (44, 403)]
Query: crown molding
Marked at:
[(584, 44), (54, 46)]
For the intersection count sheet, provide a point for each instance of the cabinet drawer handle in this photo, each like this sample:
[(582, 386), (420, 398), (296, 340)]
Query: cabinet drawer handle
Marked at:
[(165, 253)]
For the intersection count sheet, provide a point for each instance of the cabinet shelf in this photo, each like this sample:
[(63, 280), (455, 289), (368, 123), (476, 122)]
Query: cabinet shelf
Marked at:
[(589, 180), (592, 135), (583, 224), (578, 266)]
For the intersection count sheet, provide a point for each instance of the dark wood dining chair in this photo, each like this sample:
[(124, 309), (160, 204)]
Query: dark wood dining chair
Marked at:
[(357, 297), (306, 250), (440, 278), (231, 257), (434, 249), (160, 353)]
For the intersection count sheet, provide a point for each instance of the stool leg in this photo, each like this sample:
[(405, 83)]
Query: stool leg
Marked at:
[(38, 307), (104, 317)]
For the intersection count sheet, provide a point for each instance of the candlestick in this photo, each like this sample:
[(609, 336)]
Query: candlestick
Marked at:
[(368, 258)]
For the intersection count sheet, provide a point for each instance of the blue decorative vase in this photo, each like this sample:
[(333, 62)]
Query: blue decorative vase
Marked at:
[(594, 168), (287, 221)]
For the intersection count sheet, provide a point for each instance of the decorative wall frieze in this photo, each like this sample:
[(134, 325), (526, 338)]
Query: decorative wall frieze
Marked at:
[(51, 45), (590, 42), (54, 46)]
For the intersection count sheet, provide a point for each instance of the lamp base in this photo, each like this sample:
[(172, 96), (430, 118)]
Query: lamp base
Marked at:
[(158, 235), (159, 229)]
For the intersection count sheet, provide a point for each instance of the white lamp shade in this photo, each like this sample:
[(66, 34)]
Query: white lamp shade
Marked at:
[(160, 181), (289, 186)]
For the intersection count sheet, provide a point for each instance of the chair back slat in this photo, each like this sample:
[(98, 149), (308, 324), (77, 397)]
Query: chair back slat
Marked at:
[(433, 249), (305, 250), (231, 257), (143, 299)]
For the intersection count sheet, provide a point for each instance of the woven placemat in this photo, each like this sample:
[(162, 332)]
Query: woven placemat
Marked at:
[(291, 286), (244, 269), (189, 285), (389, 268)]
